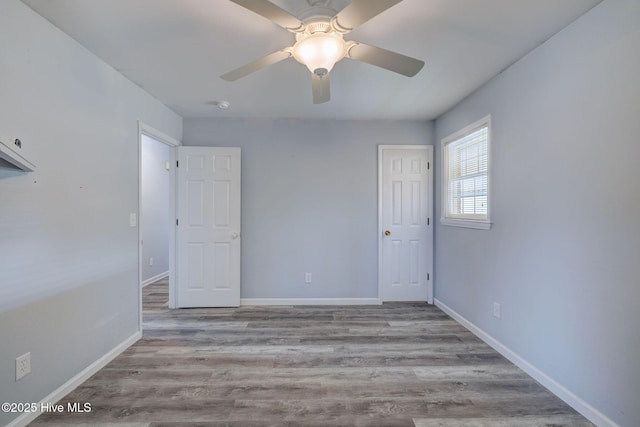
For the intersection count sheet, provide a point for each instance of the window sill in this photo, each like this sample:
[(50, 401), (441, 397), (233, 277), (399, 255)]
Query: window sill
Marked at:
[(466, 223)]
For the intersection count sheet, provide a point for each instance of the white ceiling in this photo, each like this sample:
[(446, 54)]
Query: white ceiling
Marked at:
[(177, 49)]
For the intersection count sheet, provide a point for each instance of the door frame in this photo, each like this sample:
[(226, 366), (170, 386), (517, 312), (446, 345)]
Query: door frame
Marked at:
[(151, 132), (430, 153)]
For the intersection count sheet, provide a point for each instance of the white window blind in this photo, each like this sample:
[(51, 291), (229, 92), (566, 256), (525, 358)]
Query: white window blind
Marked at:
[(466, 174)]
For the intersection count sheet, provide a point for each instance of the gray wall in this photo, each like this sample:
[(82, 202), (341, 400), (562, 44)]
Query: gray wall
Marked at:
[(562, 256), (309, 201), (154, 212), (68, 258)]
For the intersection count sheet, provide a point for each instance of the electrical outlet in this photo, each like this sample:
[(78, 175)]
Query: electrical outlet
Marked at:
[(496, 310), (151, 262), (23, 365), (307, 277)]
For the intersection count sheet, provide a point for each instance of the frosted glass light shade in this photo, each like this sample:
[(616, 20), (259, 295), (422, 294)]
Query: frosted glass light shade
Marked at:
[(320, 51)]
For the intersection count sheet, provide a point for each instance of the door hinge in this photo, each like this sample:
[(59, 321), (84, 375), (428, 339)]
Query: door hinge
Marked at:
[(428, 276), (428, 165), (177, 164), (428, 221), (177, 222)]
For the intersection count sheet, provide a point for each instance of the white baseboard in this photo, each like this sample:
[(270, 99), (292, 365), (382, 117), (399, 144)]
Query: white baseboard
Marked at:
[(569, 397), (310, 301), (155, 278), (74, 382)]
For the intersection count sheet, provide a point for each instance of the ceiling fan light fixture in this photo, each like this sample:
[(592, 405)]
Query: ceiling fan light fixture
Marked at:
[(319, 51)]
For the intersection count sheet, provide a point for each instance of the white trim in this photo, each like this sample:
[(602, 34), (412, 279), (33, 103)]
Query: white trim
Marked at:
[(467, 129), (380, 225), (556, 388), (310, 301), (430, 150), (78, 379), (156, 134), (466, 223), (155, 278)]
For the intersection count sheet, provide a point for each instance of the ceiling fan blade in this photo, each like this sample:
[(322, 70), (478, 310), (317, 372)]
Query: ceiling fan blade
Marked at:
[(321, 88), (359, 12), (386, 59), (273, 13), (256, 65)]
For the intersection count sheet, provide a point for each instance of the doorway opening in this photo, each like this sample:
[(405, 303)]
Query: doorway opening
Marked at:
[(156, 233), (154, 210)]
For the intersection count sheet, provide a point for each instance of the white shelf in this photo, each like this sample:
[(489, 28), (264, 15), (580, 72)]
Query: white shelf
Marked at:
[(15, 159)]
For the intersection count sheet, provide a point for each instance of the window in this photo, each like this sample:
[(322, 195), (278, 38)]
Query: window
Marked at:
[(465, 191)]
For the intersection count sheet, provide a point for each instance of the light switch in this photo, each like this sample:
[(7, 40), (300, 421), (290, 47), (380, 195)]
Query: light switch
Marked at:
[(133, 220)]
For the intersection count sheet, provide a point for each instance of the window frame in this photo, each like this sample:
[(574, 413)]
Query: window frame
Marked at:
[(445, 218)]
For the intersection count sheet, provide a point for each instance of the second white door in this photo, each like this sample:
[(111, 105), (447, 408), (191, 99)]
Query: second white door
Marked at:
[(405, 225), (208, 227)]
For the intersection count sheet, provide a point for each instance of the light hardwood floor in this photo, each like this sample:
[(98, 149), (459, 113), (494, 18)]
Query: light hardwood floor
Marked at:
[(389, 365)]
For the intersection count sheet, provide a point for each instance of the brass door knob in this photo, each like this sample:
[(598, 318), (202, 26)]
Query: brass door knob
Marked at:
[(387, 233)]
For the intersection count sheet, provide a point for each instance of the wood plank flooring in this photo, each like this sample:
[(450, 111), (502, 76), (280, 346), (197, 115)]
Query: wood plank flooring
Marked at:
[(390, 365)]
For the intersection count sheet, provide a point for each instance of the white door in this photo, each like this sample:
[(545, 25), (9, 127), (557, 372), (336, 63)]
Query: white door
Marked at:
[(405, 224), (208, 227)]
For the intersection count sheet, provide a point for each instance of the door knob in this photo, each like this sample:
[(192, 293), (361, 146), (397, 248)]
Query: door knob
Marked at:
[(235, 235), (387, 233)]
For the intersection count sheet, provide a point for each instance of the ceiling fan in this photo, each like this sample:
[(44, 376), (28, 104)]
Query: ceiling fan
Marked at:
[(320, 42)]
